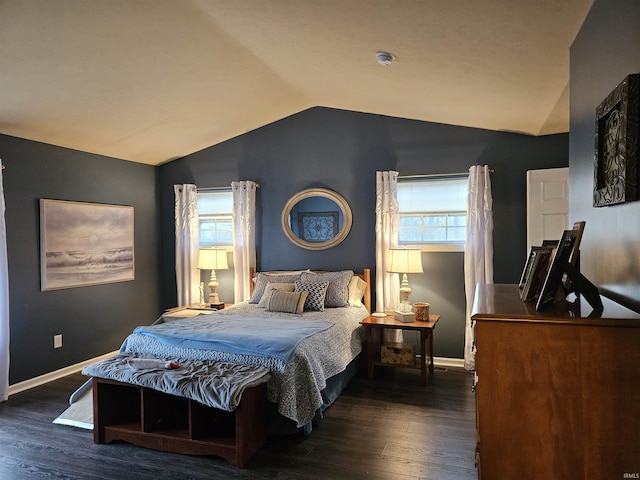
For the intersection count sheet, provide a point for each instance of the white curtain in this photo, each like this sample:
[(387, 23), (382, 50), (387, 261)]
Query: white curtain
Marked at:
[(4, 301), (478, 253), (244, 237), (387, 223), (187, 244)]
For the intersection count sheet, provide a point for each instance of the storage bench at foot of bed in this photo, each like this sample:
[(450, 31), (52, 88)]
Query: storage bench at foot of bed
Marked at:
[(159, 421)]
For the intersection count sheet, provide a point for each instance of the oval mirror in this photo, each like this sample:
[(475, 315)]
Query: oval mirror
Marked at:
[(316, 219)]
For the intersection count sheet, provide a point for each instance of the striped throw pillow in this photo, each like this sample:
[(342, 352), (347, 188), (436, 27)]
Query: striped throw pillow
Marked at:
[(288, 302), (272, 287)]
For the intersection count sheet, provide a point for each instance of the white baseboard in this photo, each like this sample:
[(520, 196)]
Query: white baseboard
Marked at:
[(448, 362), (51, 376)]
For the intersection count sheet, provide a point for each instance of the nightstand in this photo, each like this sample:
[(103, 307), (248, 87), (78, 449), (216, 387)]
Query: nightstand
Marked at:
[(374, 327)]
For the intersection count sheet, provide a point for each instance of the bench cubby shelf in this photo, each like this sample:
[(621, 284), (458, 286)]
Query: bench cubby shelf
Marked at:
[(159, 421)]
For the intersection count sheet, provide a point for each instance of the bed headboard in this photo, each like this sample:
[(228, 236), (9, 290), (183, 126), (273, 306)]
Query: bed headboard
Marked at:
[(365, 275)]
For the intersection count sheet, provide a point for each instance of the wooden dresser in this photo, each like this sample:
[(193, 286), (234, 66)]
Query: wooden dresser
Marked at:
[(557, 391)]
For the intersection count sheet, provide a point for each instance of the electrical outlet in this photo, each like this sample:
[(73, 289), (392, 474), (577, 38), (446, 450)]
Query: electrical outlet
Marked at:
[(57, 341)]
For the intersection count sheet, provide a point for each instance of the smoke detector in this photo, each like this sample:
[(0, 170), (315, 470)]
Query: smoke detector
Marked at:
[(385, 58)]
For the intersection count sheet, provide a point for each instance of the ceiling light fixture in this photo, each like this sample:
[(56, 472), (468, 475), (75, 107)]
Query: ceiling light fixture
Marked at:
[(385, 58)]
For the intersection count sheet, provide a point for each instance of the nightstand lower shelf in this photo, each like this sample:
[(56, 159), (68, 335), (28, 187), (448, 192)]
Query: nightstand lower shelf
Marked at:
[(374, 328)]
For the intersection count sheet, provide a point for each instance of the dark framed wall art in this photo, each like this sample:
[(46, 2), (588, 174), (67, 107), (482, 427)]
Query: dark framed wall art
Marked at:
[(318, 226), (616, 149), (85, 244)]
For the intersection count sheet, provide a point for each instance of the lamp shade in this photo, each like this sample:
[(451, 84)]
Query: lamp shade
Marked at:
[(212, 259), (406, 261)]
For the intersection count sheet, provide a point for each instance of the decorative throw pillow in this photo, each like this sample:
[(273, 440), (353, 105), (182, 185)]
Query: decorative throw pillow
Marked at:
[(272, 287), (288, 302), (357, 287), (317, 292), (338, 291), (263, 278)]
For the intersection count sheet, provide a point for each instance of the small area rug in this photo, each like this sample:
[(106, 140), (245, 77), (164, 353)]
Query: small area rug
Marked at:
[(80, 411)]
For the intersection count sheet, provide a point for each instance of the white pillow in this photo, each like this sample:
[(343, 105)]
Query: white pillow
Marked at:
[(357, 287), (272, 287)]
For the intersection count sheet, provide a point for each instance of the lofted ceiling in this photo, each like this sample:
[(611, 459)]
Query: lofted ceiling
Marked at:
[(154, 80)]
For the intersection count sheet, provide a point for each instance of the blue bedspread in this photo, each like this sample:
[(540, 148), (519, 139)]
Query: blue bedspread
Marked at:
[(259, 336)]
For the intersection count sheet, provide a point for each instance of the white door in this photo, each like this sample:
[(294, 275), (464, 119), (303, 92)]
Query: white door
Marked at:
[(547, 205)]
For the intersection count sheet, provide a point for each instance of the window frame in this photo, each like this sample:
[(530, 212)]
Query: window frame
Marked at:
[(203, 217), (451, 246)]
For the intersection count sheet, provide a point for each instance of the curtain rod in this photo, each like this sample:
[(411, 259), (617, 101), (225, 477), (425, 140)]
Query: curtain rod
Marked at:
[(213, 189), (436, 175)]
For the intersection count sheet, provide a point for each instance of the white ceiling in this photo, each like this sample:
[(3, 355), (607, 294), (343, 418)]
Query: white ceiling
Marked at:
[(154, 80)]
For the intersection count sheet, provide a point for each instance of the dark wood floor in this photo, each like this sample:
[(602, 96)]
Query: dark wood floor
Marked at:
[(387, 428)]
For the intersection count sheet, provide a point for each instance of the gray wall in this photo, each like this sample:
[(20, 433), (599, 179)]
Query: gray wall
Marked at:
[(342, 150), (93, 320), (604, 52)]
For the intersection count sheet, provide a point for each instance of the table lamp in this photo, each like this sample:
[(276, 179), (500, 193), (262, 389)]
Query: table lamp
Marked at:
[(405, 261), (213, 259)]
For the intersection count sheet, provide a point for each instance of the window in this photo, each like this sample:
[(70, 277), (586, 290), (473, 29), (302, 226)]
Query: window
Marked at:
[(215, 210), (433, 213)]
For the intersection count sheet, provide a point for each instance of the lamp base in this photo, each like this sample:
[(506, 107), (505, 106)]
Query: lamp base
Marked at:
[(406, 317)]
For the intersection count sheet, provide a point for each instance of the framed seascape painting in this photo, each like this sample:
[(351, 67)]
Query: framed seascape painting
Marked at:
[(85, 244)]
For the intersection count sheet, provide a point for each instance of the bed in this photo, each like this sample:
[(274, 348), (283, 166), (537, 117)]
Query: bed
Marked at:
[(219, 383)]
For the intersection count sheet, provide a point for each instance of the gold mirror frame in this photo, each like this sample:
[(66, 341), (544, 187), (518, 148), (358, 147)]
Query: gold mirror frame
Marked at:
[(317, 192)]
